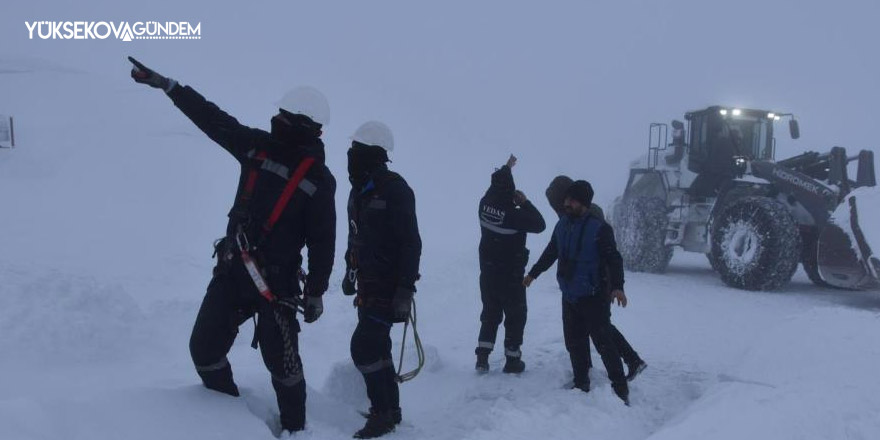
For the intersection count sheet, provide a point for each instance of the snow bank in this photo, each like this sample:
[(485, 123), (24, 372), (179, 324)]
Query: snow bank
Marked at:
[(63, 317), (136, 413), (808, 377)]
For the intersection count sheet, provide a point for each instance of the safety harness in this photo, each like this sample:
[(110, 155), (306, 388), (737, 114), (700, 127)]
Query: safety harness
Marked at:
[(250, 264), (241, 239)]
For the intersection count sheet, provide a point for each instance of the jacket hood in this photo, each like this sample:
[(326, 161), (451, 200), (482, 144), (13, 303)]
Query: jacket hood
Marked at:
[(556, 193), (502, 182)]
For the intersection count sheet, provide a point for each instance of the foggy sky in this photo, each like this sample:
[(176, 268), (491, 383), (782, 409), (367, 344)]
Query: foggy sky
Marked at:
[(570, 87)]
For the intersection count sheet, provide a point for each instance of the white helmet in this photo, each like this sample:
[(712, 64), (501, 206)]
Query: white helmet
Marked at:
[(374, 133), (306, 101)]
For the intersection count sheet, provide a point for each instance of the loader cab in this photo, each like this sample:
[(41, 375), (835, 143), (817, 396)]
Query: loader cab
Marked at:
[(719, 134)]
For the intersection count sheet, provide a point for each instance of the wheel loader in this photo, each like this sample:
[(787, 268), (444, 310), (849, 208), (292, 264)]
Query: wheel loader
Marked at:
[(716, 188)]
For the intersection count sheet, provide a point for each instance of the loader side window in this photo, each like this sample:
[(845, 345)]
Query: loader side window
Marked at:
[(763, 141), (697, 152)]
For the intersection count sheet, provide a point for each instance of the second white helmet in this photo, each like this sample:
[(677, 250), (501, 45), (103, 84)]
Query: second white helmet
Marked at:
[(374, 133), (306, 101)]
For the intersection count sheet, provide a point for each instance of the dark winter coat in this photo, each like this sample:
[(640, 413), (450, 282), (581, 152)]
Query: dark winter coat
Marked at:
[(594, 266), (310, 216), (383, 236), (503, 226)]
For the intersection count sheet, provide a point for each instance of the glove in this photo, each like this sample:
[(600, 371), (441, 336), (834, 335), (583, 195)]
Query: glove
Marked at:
[(314, 308), (519, 198), (348, 286), (401, 304), (144, 75)]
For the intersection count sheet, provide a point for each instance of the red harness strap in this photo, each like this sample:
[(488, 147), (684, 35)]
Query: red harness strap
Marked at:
[(241, 238), (289, 189), (251, 181)]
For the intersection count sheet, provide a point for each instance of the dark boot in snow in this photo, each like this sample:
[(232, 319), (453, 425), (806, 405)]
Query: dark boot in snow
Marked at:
[(378, 424), (635, 369), (514, 365), (583, 386), (220, 381), (227, 388), (482, 362), (396, 415), (622, 391)]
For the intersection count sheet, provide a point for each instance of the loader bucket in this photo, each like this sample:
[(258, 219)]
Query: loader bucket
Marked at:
[(845, 256)]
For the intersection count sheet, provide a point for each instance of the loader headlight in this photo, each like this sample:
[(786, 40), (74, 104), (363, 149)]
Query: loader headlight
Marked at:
[(771, 115), (723, 112), (736, 112), (740, 163)]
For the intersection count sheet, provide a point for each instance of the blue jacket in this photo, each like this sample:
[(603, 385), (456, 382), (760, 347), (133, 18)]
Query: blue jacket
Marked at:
[(589, 262)]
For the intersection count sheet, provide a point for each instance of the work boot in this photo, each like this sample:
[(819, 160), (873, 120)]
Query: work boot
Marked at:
[(482, 362), (220, 381), (225, 388), (514, 365), (396, 415), (635, 369), (582, 385), (622, 391), (378, 424)]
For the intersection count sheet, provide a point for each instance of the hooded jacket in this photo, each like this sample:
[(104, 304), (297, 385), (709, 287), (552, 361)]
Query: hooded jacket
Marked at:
[(503, 226), (309, 218), (556, 197)]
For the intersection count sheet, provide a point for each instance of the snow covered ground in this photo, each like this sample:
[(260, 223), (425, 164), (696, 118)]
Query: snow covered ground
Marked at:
[(83, 361), (110, 203)]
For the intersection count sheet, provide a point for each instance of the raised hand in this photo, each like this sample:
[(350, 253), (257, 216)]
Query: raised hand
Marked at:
[(144, 75)]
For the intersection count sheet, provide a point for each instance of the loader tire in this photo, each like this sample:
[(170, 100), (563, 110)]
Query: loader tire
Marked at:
[(640, 229), (756, 244), (712, 262)]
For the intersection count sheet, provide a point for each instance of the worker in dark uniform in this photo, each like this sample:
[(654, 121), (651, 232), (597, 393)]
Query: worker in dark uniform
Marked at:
[(285, 201), (505, 215), (384, 249), (590, 275), (556, 197)]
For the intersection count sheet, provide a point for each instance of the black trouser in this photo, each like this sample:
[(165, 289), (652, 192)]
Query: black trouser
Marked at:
[(585, 318), (504, 299), (371, 353), (230, 301), (626, 351)]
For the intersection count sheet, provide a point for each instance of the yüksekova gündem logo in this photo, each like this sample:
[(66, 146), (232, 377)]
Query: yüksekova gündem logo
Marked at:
[(123, 30)]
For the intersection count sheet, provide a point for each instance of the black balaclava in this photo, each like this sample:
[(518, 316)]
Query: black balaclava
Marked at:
[(290, 127), (363, 160)]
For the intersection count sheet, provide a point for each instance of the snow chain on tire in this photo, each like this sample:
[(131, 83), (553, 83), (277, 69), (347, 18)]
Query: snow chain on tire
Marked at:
[(756, 243), (640, 231)]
